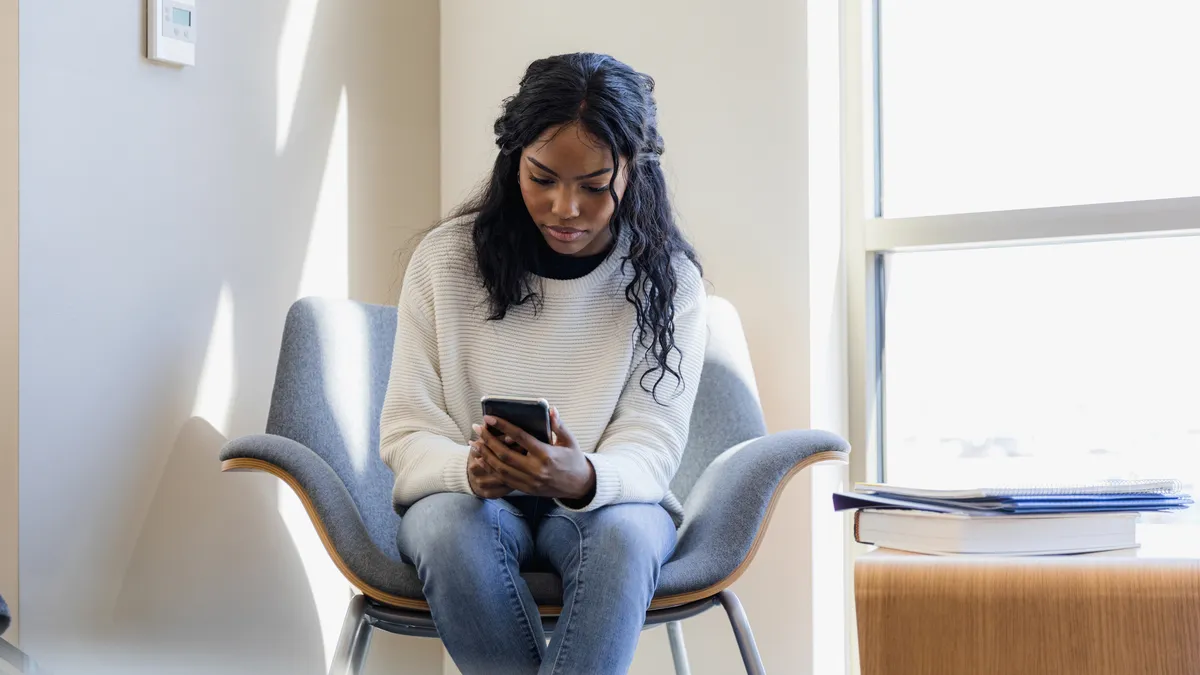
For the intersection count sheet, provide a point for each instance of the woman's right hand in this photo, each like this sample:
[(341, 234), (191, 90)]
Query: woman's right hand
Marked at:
[(485, 483)]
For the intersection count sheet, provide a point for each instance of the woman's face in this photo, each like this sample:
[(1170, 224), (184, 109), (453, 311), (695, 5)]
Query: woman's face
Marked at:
[(564, 177)]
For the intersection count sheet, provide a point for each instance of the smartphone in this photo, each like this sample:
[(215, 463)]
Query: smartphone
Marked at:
[(530, 414)]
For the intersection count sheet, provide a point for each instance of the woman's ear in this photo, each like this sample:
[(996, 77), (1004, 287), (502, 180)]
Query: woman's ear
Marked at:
[(621, 181)]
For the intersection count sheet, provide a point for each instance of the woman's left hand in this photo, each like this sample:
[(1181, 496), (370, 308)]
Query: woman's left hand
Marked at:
[(559, 470)]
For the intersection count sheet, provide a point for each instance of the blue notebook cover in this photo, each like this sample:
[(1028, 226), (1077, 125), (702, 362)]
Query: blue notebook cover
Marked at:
[(1033, 504)]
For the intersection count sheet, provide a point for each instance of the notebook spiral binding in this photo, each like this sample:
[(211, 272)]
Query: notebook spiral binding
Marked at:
[(1123, 486)]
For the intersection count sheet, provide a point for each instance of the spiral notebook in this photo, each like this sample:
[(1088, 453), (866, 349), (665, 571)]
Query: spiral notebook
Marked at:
[(1105, 488), (1129, 495)]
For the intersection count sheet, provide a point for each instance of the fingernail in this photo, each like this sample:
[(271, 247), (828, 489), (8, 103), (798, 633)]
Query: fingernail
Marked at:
[(489, 419), (477, 428), (508, 439)]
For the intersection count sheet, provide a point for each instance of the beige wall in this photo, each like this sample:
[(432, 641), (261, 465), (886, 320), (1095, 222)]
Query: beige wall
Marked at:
[(8, 306), (734, 113), (168, 220)]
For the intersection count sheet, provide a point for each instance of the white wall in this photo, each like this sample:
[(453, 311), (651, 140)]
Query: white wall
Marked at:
[(169, 217), (734, 113), (8, 307)]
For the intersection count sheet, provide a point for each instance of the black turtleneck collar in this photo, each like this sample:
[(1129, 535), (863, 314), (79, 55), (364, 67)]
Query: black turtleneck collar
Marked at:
[(548, 263)]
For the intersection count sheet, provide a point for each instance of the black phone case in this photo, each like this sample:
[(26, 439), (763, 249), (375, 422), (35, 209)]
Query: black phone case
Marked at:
[(531, 417)]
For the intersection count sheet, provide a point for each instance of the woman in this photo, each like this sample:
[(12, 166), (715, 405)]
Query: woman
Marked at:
[(566, 278)]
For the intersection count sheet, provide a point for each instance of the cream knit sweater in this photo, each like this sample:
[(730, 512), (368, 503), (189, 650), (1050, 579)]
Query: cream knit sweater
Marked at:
[(579, 351)]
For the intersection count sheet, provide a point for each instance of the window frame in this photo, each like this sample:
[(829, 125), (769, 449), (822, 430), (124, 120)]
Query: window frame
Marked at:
[(869, 236)]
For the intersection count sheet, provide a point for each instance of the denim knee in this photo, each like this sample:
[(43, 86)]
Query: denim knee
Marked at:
[(446, 528), (623, 539)]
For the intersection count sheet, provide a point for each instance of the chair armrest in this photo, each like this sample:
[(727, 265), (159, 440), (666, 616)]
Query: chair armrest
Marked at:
[(730, 505), (329, 505)]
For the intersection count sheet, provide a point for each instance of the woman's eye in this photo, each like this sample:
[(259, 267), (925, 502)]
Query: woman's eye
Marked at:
[(541, 181), (592, 188)]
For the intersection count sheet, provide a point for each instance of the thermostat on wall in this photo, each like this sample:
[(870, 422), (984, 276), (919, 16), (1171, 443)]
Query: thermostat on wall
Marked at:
[(171, 25)]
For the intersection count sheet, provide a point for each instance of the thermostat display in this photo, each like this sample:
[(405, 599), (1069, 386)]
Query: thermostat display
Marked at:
[(171, 31)]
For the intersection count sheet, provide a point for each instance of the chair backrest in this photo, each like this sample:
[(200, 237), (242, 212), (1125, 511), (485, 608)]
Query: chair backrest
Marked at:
[(333, 373), (727, 410), (5, 618)]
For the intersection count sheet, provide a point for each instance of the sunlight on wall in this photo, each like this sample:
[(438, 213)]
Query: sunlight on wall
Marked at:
[(214, 394), (827, 328), (330, 591), (326, 273), (326, 270), (829, 571), (294, 42)]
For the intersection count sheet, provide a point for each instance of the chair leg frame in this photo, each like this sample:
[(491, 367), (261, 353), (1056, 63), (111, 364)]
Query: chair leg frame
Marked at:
[(741, 631), (14, 657), (678, 650), (354, 641)]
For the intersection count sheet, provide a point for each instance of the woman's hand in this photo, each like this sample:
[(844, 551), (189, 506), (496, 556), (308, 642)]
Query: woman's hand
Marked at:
[(559, 470), (484, 482)]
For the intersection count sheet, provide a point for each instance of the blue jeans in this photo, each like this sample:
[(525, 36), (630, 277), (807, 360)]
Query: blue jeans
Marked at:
[(469, 553)]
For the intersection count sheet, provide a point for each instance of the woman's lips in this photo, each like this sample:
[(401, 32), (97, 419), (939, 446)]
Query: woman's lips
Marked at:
[(565, 233)]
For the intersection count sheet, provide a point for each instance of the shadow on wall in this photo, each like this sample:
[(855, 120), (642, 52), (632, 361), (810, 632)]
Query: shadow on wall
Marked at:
[(216, 584), (307, 165), (214, 575)]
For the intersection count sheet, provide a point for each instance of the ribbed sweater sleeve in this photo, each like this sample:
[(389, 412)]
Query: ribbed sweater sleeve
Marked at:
[(640, 450), (419, 441)]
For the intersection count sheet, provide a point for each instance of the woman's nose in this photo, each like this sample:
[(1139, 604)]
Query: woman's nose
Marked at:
[(565, 205)]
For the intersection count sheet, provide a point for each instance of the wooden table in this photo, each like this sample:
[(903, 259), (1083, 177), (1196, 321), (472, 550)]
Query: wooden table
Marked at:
[(1118, 613)]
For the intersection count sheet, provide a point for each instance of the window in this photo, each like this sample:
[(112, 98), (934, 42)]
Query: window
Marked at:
[(1023, 205), (988, 106), (1046, 363)]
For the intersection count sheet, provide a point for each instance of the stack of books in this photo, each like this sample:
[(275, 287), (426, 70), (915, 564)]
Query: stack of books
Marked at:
[(1042, 520)]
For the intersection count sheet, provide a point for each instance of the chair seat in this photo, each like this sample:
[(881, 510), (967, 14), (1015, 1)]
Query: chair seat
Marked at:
[(723, 517), (546, 587)]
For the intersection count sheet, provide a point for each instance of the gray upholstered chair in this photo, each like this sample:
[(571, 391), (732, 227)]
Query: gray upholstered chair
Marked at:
[(9, 654), (731, 476)]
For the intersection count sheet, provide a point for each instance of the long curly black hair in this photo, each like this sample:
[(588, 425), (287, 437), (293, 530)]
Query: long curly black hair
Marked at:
[(614, 103)]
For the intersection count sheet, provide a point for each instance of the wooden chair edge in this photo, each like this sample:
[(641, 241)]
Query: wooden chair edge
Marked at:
[(246, 464), (668, 601)]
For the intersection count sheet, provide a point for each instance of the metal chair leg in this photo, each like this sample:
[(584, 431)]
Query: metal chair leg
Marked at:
[(354, 641), (16, 659), (741, 631), (678, 651)]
